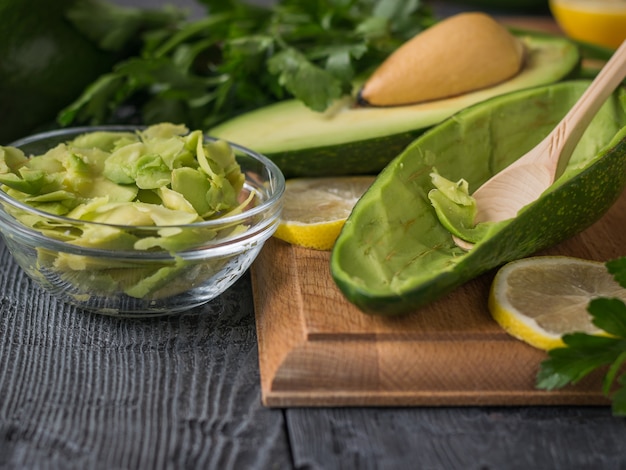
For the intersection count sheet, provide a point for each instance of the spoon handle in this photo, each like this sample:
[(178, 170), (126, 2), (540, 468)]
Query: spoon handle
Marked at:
[(565, 136), (521, 183)]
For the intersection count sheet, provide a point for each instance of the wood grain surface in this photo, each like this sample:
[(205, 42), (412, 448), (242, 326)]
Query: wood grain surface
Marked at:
[(315, 348), (82, 391)]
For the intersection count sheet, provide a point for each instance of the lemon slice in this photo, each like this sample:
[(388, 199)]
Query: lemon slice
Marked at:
[(315, 209), (539, 299)]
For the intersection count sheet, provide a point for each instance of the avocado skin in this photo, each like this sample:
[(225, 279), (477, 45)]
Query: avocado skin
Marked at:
[(364, 157), (360, 259)]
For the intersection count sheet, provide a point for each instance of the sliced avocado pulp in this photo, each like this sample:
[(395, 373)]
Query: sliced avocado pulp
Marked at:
[(394, 255), (124, 193), (349, 140)]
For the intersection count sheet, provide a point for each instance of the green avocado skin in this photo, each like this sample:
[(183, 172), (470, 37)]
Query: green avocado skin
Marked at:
[(393, 256), (45, 64), (363, 157)]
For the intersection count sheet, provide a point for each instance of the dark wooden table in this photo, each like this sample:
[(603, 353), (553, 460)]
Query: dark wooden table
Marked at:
[(81, 391)]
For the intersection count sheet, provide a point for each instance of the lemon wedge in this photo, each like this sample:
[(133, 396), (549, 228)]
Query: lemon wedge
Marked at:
[(540, 299), (315, 209)]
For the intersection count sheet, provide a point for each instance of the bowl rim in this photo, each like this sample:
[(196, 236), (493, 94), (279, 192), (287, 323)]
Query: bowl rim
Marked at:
[(275, 191)]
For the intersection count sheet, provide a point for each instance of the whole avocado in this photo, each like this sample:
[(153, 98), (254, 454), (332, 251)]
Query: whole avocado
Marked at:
[(45, 64)]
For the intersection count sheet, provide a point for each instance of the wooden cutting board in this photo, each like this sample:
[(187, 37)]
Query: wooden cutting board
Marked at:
[(317, 349)]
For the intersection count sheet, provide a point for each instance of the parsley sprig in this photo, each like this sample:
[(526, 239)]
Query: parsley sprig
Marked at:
[(584, 353), (240, 56)]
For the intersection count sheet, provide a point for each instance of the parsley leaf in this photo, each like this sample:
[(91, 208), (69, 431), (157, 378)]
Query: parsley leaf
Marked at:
[(316, 87), (239, 57), (617, 267), (584, 353)]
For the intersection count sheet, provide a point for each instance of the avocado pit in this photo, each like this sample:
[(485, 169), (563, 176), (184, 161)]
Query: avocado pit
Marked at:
[(464, 53)]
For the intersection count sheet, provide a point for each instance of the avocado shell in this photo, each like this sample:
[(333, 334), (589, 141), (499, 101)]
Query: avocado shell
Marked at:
[(394, 256)]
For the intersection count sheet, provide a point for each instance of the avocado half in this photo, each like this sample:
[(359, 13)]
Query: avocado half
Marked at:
[(349, 139), (394, 255)]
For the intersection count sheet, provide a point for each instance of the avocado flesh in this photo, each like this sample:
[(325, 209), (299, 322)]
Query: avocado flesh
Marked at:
[(103, 195), (345, 140), (394, 255)]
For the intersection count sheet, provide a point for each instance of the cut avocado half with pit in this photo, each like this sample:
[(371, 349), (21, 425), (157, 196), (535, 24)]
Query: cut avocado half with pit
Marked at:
[(394, 255), (350, 140)]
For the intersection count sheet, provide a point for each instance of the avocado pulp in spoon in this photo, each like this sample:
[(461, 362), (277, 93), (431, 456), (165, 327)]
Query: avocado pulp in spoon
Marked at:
[(455, 208)]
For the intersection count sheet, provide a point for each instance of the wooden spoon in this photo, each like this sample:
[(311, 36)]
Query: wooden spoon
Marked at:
[(522, 182)]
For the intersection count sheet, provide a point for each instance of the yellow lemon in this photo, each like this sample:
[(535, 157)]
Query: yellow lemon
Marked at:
[(315, 209), (601, 22), (539, 299)]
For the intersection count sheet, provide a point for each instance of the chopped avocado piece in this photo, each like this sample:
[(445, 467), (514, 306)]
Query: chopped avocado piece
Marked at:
[(59, 195), (121, 166), (104, 140), (172, 150), (193, 185), (104, 237), (174, 239), (52, 161), (29, 183), (164, 130), (174, 200), (11, 159), (112, 186), (215, 161), (152, 281), (101, 186), (152, 172)]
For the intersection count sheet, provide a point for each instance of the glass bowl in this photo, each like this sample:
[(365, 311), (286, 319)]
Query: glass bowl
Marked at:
[(142, 282)]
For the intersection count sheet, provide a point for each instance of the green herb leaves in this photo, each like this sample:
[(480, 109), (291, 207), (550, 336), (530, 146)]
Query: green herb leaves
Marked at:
[(585, 353), (240, 57), (315, 87)]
